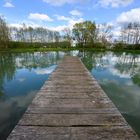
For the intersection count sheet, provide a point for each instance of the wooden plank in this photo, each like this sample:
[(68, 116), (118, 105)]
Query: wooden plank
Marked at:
[(72, 103), (72, 106), (70, 110), (72, 120), (73, 133)]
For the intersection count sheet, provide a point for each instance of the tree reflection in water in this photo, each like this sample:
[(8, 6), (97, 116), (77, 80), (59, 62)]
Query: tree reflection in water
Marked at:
[(22, 75), (119, 76), (20, 81)]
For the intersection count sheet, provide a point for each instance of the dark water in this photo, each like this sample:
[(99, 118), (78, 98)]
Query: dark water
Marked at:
[(23, 74), (119, 76)]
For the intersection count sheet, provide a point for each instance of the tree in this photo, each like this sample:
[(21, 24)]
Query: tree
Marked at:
[(4, 33), (84, 33), (130, 33), (104, 33), (56, 36), (68, 35), (34, 34)]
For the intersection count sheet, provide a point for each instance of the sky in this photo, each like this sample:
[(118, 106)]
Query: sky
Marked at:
[(58, 14)]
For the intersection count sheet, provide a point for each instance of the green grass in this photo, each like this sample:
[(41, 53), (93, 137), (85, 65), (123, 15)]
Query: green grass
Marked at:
[(63, 46), (31, 49)]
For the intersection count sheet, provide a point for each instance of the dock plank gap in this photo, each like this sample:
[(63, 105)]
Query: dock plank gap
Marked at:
[(72, 106)]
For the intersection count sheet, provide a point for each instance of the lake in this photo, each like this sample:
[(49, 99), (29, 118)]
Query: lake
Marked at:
[(23, 74)]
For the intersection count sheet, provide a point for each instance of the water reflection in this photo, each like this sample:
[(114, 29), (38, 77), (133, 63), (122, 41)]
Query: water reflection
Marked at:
[(21, 76), (119, 76)]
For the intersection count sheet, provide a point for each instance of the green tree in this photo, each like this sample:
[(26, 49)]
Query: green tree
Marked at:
[(4, 33), (84, 33)]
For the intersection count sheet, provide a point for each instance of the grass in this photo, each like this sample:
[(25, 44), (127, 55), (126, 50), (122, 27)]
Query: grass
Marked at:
[(61, 46), (41, 49), (30, 49)]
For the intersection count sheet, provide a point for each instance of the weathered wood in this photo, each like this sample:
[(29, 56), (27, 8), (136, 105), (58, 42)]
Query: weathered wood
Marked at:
[(72, 133), (72, 106)]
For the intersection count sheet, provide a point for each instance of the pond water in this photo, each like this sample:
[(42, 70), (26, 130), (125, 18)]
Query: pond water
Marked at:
[(23, 74)]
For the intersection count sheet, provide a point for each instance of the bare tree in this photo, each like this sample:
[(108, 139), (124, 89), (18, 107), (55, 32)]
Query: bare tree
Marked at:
[(104, 33), (32, 34), (130, 33), (68, 35)]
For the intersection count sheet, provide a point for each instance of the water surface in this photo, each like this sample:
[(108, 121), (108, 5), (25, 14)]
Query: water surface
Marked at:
[(23, 74), (119, 76)]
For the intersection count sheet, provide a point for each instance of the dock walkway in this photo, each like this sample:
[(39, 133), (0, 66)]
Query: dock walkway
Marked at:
[(72, 106)]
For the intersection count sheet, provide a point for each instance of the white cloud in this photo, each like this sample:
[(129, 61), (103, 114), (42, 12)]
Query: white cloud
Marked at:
[(70, 21), (63, 18), (74, 21), (38, 16), (75, 13), (69, 25), (20, 25), (58, 28), (48, 70), (33, 25), (114, 3), (8, 4), (118, 73), (62, 2), (21, 79), (17, 25), (130, 16), (117, 32)]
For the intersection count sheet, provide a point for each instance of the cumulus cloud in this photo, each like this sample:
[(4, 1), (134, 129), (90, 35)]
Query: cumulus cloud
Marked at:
[(75, 13), (38, 16), (21, 79), (63, 18), (8, 4), (130, 16), (74, 21), (28, 24), (124, 18), (69, 24), (62, 2), (58, 28), (48, 70), (114, 3)]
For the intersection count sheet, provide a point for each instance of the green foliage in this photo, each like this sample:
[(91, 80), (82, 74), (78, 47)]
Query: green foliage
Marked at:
[(122, 46), (99, 45), (14, 44), (136, 79), (119, 45), (4, 33), (133, 46), (84, 33)]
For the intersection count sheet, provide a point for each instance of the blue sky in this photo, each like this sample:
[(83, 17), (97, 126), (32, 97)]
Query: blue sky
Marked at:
[(58, 14)]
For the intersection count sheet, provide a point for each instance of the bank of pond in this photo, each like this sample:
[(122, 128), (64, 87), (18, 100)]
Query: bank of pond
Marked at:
[(14, 46)]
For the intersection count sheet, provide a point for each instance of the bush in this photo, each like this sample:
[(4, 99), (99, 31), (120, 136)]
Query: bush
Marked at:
[(15, 44), (120, 45)]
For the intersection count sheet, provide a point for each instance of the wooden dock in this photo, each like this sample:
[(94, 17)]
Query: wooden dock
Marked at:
[(72, 106)]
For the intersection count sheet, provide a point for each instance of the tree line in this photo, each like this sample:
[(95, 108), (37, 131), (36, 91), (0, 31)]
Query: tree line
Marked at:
[(84, 34), (130, 36), (30, 34)]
